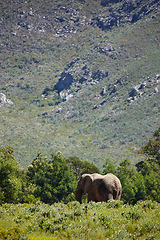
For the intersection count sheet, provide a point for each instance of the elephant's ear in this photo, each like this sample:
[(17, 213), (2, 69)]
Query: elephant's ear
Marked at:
[(87, 183)]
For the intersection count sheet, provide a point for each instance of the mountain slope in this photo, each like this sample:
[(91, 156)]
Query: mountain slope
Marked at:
[(83, 77)]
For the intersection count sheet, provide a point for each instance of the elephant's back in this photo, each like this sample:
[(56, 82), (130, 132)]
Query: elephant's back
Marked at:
[(111, 179)]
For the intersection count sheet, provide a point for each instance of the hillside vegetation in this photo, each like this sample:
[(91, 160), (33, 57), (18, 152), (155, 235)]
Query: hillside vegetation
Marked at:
[(80, 77)]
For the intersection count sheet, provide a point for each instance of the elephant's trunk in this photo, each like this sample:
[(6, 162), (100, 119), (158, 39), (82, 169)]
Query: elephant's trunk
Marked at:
[(78, 195)]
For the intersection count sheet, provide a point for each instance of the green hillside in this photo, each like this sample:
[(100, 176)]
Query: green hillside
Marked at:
[(81, 77)]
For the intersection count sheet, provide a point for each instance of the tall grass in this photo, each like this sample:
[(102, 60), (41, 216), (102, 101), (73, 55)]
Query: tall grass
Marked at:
[(113, 220)]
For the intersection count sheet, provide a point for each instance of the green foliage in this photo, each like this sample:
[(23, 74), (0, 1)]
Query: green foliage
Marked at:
[(157, 134), (152, 148), (53, 179), (109, 167), (133, 186), (113, 220), (150, 168), (80, 167), (10, 184)]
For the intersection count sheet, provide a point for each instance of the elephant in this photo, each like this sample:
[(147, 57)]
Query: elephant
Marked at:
[(100, 188)]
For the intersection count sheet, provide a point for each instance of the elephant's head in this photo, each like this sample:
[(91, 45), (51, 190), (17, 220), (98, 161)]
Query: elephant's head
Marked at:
[(83, 186)]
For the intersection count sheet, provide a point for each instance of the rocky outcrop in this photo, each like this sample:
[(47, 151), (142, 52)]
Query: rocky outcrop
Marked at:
[(109, 50), (148, 88), (76, 74), (128, 11), (134, 92), (65, 20), (99, 75), (106, 2), (65, 96), (4, 101)]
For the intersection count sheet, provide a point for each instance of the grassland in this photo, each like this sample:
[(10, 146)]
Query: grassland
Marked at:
[(113, 220)]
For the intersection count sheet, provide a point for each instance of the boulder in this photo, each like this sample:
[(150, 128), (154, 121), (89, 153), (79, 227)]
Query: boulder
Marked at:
[(142, 85), (114, 89), (158, 76), (4, 102), (64, 82), (130, 100), (134, 92), (103, 92), (65, 96), (156, 90)]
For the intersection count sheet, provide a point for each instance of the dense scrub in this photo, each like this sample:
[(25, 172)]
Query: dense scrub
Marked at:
[(54, 179), (113, 220)]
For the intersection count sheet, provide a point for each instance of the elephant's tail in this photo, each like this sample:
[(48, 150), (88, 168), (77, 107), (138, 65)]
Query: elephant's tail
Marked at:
[(116, 194)]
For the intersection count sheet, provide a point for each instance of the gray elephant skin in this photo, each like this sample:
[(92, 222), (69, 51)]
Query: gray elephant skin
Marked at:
[(100, 188)]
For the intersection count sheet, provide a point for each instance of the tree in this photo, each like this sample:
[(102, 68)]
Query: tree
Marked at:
[(150, 167), (79, 167), (133, 187), (10, 184), (152, 148), (53, 178), (108, 167), (26, 194)]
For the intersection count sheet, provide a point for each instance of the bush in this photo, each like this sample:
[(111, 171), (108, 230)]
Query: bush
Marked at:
[(10, 183), (53, 179)]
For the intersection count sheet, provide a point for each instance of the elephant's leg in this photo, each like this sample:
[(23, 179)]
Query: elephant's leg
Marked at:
[(91, 197)]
